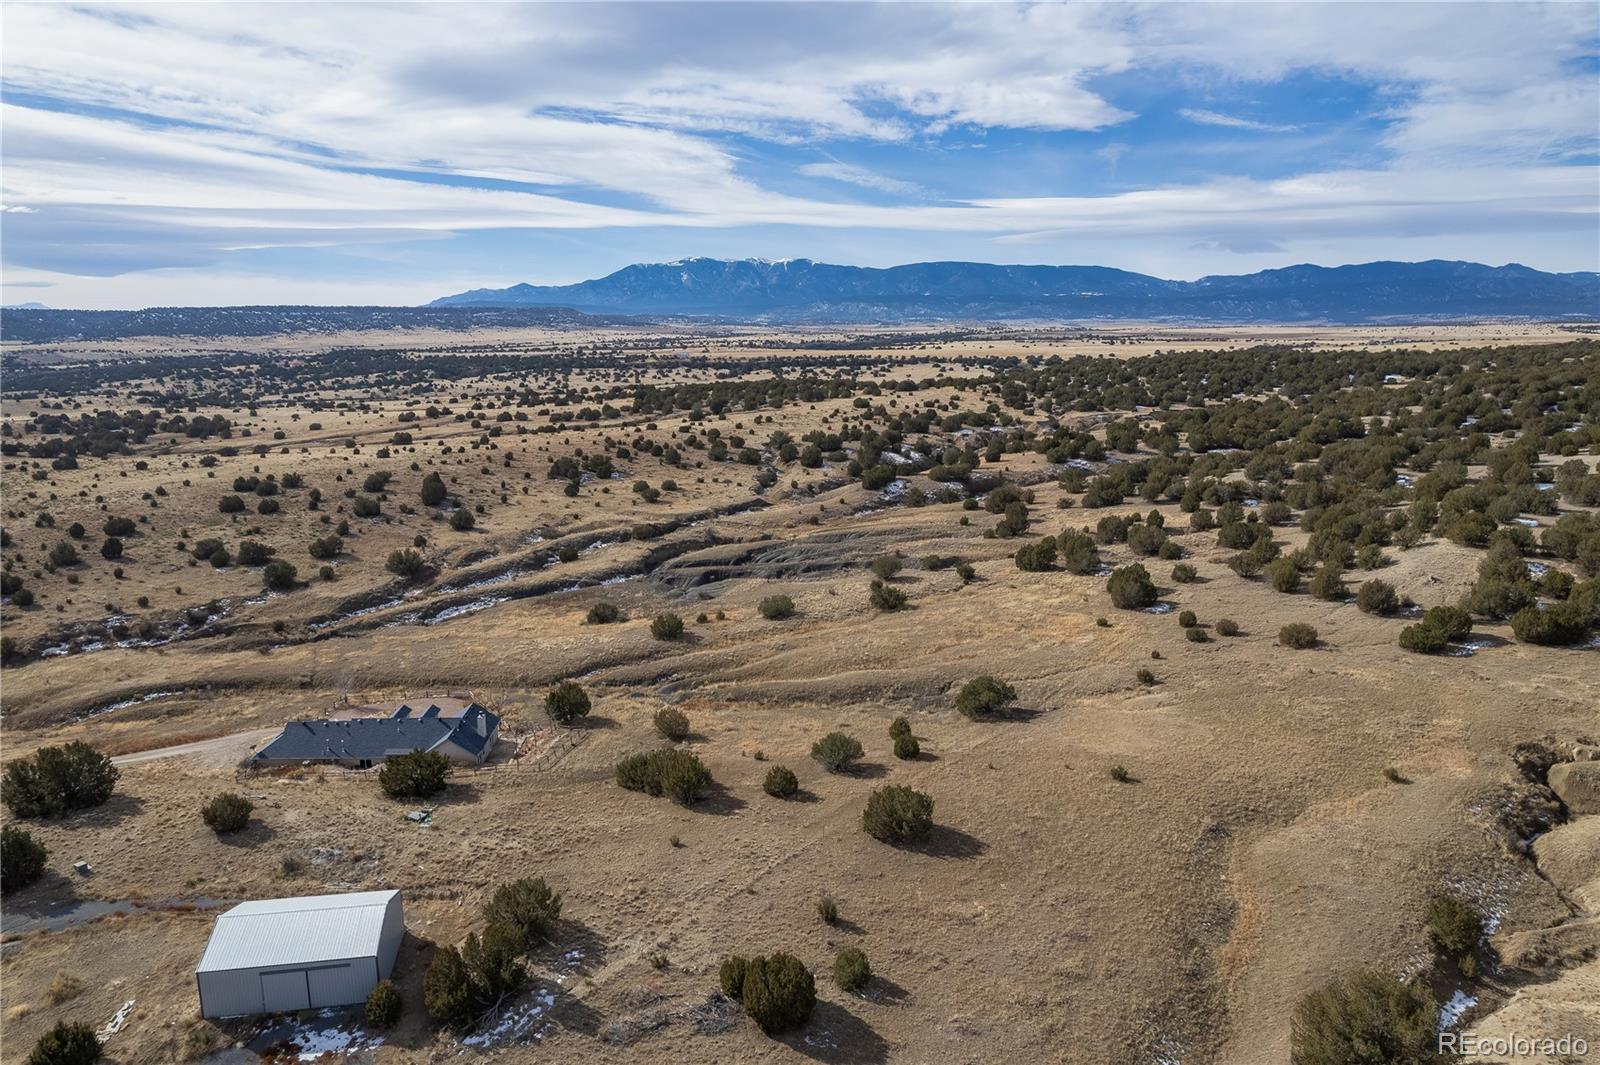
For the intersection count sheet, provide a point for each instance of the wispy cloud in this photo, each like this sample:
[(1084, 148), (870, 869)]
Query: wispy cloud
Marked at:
[(176, 137), (1216, 118), (860, 175)]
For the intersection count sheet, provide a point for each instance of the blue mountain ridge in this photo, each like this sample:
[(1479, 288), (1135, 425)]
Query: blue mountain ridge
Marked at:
[(801, 290)]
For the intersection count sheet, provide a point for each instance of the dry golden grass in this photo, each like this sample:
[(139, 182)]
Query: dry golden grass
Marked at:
[(1057, 914)]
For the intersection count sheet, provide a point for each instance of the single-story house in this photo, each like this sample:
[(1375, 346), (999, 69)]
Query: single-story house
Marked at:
[(460, 730), (279, 955)]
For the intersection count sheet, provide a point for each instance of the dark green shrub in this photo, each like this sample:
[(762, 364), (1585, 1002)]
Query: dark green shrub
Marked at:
[(22, 859), (330, 546), (413, 776), (1120, 774), (1455, 928), (1377, 597), (433, 490), (899, 727), (1187, 619), (1454, 622), (1146, 539), (1131, 587), (254, 553), (667, 627), (836, 751), (492, 965), (406, 564), (226, 813), (1365, 1018), (672, 723), (527, 907), (906, 747), (365, 507), (604, 614), (1145, 677), (828, 910), (776, 607), (674, 773), (1423, 638), (966, 572), (778, 992), (1298, 634), (447, 991), (1036, 558), (985, 695), (278, 576), (730, 975), (566, 702), (1078, 552), (1183, 573), (851, 970), (887, 598), (1195, 634), (1555, 626), (461, 520), (780, 782), (1284, 575), (111, 549), (68, 1043), (58, 780), (383, 1005), (897, 814), (886, 566), (1328, 582)]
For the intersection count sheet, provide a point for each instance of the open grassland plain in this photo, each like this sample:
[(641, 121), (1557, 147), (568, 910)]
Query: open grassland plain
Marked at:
[(1293, 635)]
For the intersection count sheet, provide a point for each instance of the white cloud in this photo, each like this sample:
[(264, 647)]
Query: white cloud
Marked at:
[(1215, 118), (860, 175), (211, 128)]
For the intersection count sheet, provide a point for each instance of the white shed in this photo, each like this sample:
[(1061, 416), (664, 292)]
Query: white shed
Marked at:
[(279, 955)]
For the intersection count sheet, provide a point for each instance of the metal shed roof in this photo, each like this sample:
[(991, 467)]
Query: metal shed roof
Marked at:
[(309, 929)]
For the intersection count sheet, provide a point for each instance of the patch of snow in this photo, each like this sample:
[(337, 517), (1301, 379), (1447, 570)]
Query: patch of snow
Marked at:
[(331, 1031), (1545, 486), (463, 609), (1403, 481), (1537, 569), (1451, 1012), (115, 1024), (1529, 522), (1159, 608), (515, 1023), (125, 703), (1468, 647)]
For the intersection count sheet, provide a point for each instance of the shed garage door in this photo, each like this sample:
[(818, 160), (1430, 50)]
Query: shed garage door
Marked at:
[(340, 985), (284, 991)]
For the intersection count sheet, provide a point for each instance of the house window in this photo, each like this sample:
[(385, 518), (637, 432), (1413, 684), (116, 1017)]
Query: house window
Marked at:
[(366, 763)]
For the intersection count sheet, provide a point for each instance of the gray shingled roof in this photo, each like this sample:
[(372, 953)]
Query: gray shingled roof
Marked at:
[(376, 738)]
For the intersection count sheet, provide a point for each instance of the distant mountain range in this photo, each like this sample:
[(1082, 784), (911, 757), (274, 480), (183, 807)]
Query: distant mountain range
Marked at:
[(44, 326), (800, 290)]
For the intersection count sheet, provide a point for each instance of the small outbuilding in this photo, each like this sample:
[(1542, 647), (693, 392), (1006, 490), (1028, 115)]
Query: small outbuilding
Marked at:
[(280, 955)]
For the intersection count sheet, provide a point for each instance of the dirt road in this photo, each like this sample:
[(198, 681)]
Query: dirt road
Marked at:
[(219, 751)]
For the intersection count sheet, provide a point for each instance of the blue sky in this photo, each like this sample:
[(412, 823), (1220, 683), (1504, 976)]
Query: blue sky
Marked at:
[(207, 154)]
